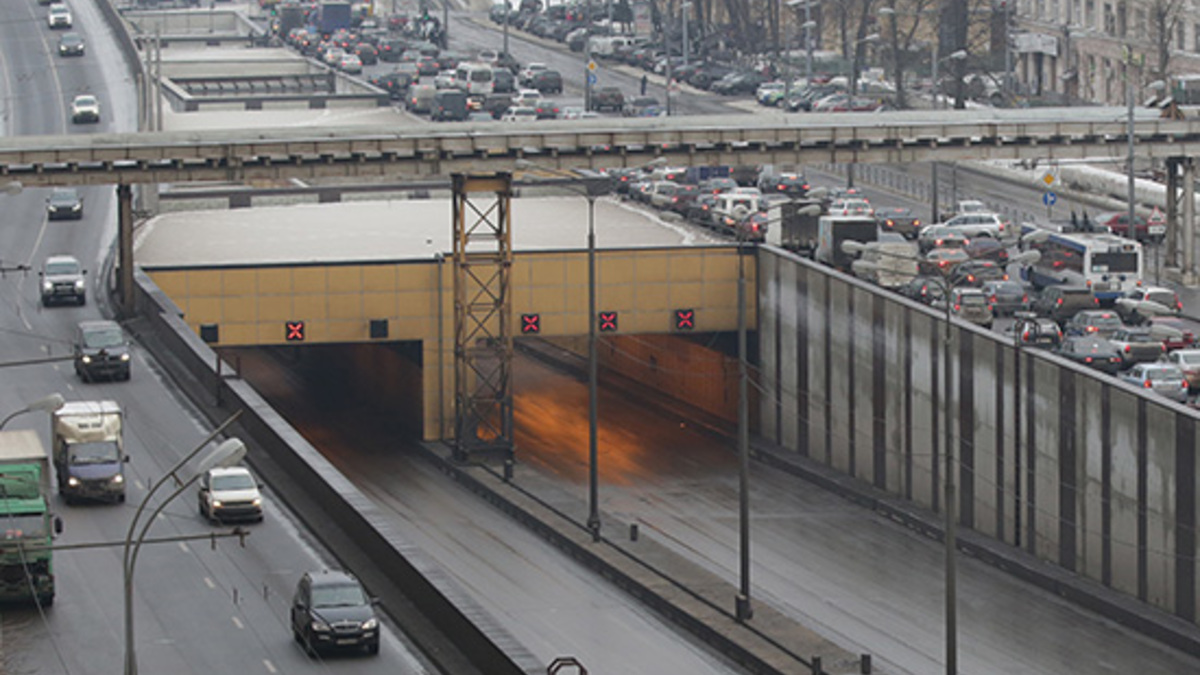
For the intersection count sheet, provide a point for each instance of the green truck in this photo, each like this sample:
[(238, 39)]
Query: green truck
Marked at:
[(26, 557)]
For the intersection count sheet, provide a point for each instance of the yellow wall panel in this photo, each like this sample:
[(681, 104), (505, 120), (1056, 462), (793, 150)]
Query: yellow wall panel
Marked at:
[(652, 268), (553, 299), (619, 298), (173, 283), (240, 309), (310, 307), (378, 278), (310, 280), (204, 310), (686, 268), (206, 284), (275, 281), (685, 294), (345, 306), (613, 270), (546, 271), (275, 308), (653, 297), (418, 302), (345, 331), (379, 305), (419, 277), (345, 279), (241, 334), (239, 282)]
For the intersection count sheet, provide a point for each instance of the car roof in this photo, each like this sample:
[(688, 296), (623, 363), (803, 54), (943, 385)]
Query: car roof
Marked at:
[(62, 257), (229, 471), (97, 324), (331, 577)]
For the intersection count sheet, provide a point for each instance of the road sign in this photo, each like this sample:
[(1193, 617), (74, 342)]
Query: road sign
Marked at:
[(1049, 199), (592, 79), (592, 66), (1049, 179)]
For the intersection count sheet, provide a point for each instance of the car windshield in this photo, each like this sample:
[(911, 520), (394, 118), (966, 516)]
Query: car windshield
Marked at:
[(339, 595), (1107, 322), (94, 453), (100, 338), (84, 101), (63, 195), (1166, 298), (64, 267), (233, 481), (1190, 358)]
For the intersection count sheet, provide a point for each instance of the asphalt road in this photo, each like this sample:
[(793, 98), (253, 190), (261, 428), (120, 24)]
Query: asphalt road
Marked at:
[(199, 609)]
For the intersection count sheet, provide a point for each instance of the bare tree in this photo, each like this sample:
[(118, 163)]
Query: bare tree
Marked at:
[(902, 29), (1164, 21)]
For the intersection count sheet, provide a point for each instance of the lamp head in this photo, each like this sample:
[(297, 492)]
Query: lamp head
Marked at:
[(228, 453), (47, 404)]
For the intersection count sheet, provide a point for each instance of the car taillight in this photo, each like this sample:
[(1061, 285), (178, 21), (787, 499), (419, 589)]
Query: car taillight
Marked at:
[(1128, 348), (1090, 329), (1088, 360), (1025, 336), (1058, 302), (1148, 384), (1178, 306), (1095, 301), (754, 227), (1025, 298), (992, 299), (957, 307)]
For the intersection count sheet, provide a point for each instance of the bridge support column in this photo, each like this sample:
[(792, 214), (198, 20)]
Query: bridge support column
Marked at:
[(1189, 221), (483, 346), (125, 247), (1173, 230)]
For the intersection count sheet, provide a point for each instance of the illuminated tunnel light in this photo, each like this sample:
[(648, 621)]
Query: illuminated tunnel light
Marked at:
[(607, 321), (294, 331), (685, 319), (531, 323)]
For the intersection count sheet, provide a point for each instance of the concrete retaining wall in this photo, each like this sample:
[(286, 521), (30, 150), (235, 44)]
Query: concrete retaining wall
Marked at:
[(1077, 468)]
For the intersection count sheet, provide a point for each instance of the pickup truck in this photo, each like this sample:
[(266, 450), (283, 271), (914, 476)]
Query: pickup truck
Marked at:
[(1137, 345)]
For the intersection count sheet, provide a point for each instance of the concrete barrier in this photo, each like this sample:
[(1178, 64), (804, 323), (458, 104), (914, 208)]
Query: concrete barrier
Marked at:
[(1060, 463)]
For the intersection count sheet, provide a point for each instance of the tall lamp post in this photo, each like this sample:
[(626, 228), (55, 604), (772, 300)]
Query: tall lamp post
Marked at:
[(937, 105), (949, 480), (228, 453), (45, 404), (808, 26), (590, 190)]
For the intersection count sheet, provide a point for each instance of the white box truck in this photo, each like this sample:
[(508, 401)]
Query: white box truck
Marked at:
[(88, 446)]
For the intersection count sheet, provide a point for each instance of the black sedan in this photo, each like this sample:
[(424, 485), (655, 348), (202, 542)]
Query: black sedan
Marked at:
[(1091, 351), (70, 44), (64, 204), (899, 220)]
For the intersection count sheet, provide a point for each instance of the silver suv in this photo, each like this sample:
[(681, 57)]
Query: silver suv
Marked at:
[(62, 280)]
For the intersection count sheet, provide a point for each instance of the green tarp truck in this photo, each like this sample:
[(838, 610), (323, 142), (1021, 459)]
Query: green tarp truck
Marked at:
[(26, 559)]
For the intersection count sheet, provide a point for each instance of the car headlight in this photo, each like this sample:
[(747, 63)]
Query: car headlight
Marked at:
[(370, 624), (257, 501), (86, 359), (47, 287), (73, 481), (320, 626), (79, 284), (118, 479), (216, 503), (125, 356), (76, 207)]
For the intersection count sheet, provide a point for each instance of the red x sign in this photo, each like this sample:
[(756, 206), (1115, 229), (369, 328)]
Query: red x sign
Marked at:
[(608, 321), (685, 319), (294, 330), (531, 323)]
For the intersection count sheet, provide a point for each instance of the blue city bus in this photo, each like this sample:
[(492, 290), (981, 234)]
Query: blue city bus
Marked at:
[(1108, 264)]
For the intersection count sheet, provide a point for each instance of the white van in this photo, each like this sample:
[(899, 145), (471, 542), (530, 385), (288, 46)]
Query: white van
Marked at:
[(475, 78)]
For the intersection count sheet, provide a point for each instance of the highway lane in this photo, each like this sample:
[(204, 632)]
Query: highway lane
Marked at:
[(187, 618)]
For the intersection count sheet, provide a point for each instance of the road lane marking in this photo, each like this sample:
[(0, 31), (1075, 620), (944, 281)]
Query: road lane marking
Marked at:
[(238, 622), (270, 666), (183, 547), (209, 582)]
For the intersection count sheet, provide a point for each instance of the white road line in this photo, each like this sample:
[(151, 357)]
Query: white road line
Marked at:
[(270, 666), (209, 582), (238, 622), (183, 547)]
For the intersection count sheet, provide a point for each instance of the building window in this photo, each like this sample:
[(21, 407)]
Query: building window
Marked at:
[(1180, 38), (1076, 15), (1196, 37), (1089, 14), (1110, 20), (1139, 22), (1039, 10), (1054, 11)]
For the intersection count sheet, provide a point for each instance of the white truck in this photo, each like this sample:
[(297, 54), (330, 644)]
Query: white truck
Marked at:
[(894, 262), (833, 230), (88, 447)]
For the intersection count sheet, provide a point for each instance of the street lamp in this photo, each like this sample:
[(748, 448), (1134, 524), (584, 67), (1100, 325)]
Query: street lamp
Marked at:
[(937, 105), (809, 24), (949, 484), (228, 453), (683, 14), (591, 190), (873, 37), (45, 404)]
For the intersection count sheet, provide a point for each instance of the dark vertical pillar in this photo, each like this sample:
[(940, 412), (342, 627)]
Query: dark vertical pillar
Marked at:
[(966, 431), (1031, 451), (878, 393), (906, 350), (851, 384), (1185, 518), (125, 247), (827, 352), (1106, 486), (803, 412), (1001, 446), (1143, 537), (935, 378), (1067, 482)]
